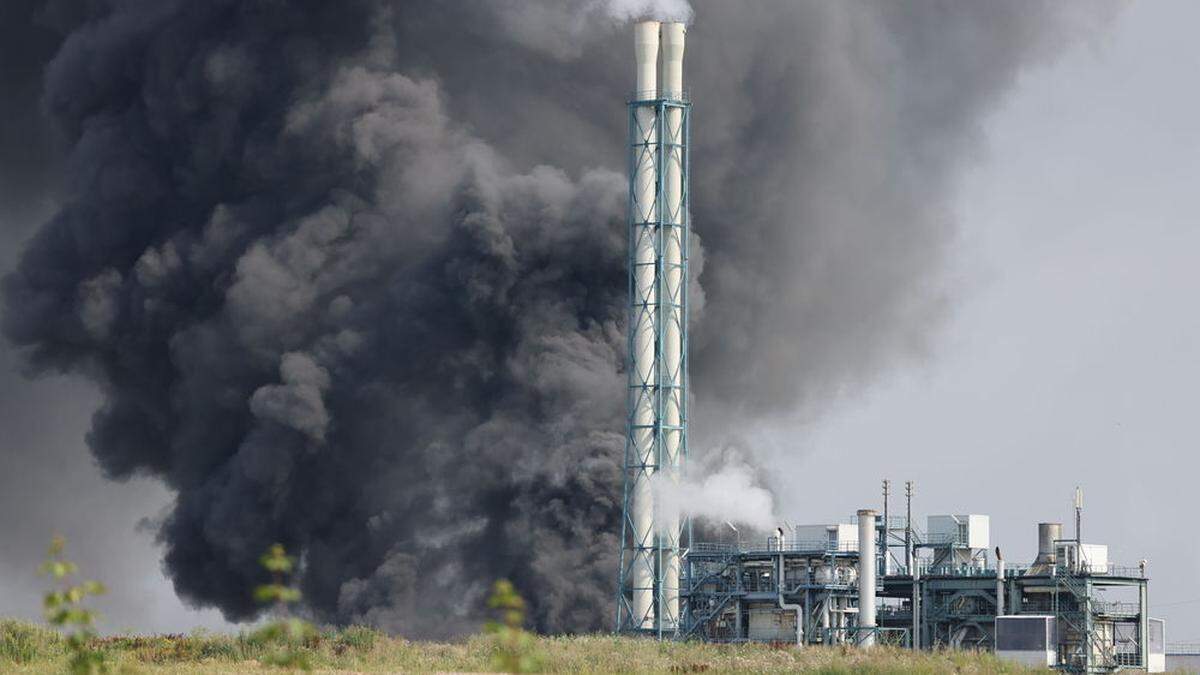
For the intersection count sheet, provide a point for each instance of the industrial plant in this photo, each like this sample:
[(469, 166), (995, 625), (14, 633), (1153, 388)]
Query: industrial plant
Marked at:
[(874, 578), (878, 578)]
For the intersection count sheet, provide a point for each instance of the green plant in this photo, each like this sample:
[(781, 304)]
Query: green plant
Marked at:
[(360, 638), (22, 642), (64, 609), (286, 635), (515, 648)]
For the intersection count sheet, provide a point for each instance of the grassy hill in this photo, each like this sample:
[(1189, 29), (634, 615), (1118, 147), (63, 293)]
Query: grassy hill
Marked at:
[(30, 648)]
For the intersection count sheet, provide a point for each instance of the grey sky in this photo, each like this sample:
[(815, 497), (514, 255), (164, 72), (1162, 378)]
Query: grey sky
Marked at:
[(1074, 351), (1068, 359)]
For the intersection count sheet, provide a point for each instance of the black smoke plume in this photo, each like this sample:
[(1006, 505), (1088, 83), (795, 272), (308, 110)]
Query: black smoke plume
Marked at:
[(351, 275)]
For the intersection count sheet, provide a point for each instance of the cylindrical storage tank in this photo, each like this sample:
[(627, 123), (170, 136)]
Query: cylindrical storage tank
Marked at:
[(866, 575), (645, 307), (1047, 534), (671, 296)]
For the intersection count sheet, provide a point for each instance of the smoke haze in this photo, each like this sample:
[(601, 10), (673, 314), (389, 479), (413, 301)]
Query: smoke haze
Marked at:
[(351, 276)]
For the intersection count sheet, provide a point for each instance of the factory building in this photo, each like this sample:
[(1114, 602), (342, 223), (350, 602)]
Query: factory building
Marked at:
[(942, 586), (871, 579)]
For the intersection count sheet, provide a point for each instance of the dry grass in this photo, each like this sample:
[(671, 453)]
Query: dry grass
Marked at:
[(27, 648)]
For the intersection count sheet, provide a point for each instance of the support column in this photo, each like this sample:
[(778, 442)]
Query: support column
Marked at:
[(1144, 624), (916, 606)]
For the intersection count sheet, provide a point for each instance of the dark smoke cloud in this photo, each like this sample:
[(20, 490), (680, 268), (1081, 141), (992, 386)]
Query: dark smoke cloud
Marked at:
[(351, 275)]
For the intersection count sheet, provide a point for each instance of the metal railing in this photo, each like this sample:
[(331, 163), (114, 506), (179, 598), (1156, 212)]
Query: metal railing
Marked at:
[(1128, 659), (1183, 648), (714, 547), (896, 613), (925, 569), (656, 95), (1112, 570), (813, 547), (858, 635), (1115, 608), (810, 546)]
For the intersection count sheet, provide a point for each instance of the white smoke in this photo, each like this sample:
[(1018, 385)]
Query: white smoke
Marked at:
[(729, 491), (663, 10), (563, 29)]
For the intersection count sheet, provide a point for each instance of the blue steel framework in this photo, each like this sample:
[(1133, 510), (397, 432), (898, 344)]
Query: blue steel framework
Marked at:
[(665, 146)]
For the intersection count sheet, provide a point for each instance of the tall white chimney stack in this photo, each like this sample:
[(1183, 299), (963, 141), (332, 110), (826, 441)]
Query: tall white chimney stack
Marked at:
[(674, 35), (645, 51), (867, 566), (651, 564), (642, 323), (674, 317)]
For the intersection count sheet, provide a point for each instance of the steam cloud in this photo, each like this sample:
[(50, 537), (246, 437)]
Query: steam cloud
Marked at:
[(724, 487), (664, 10), (351, 275)]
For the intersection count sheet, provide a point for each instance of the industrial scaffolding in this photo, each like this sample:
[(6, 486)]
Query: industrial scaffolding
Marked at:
[(656, 448)]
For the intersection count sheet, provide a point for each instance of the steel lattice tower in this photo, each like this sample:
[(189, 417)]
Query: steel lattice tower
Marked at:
[(652, 542)]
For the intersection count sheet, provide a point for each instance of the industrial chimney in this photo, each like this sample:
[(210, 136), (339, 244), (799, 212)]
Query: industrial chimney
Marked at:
[(867, 569), (643, 367), (1047, 557), (656, 439)]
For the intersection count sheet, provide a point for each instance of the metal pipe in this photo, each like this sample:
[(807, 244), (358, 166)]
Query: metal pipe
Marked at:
[(910, 562), (644, 367), (1144, 625), (671, 295), (1078, 515), (916, 608), (887, 484), (866, 576), (799, 609), (999, 583), (908, 552), (808, 597)]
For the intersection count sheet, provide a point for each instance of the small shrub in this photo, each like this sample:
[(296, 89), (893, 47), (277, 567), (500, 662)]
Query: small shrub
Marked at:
[(360, 638), (64, 609), (515, 648), (286, 636)]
